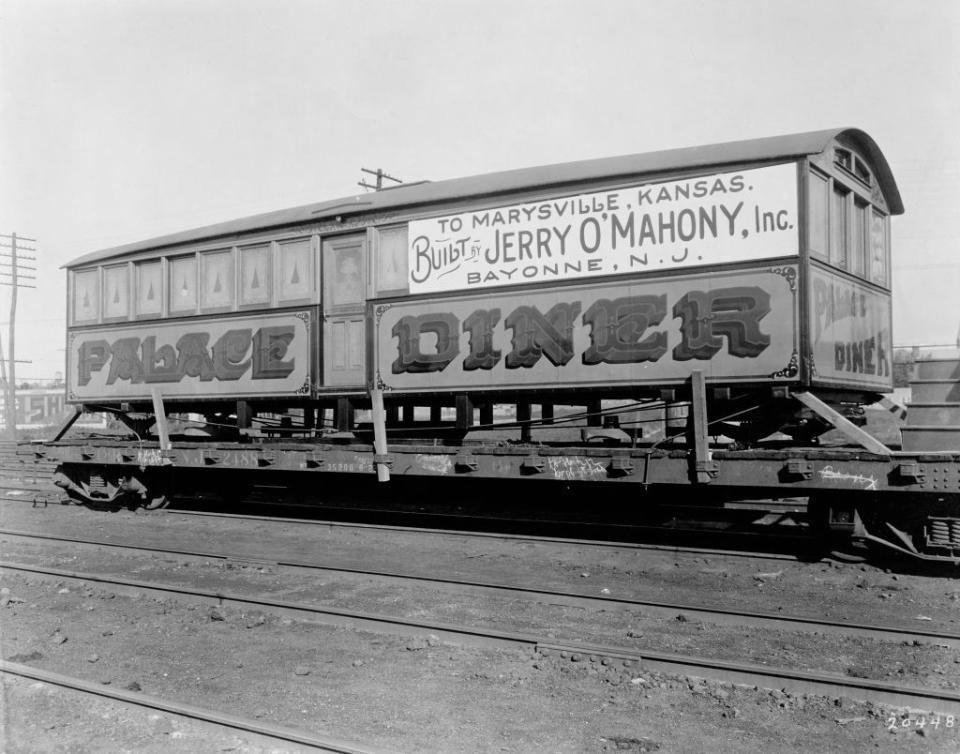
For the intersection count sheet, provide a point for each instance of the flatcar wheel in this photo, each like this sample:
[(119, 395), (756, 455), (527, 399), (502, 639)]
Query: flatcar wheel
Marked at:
[(156, 492), (156, 502)]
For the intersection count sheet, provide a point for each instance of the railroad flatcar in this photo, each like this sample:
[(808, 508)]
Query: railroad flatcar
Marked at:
[(745, 286)]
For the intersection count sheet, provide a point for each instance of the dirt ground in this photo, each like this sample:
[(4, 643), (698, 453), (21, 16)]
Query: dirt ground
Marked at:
[(420, 694)]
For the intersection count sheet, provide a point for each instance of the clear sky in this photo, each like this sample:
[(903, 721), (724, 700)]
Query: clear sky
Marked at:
[(121, 120)]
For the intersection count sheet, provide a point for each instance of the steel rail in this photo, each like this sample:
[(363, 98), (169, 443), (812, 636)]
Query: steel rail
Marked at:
[(276, 732), (794, 681), (718, 615)]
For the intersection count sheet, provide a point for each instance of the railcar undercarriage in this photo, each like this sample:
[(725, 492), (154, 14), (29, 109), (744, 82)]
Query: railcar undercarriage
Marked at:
[(904, 501)]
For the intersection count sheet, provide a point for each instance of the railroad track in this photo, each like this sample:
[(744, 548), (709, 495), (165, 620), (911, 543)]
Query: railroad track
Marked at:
[(275, 733), (718, 615), (886, 694)]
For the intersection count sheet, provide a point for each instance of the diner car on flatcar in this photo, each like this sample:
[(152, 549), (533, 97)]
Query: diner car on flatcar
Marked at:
[(736, 290), (763, 264)]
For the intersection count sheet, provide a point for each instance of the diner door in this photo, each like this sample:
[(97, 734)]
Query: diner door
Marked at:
[(344, 293)]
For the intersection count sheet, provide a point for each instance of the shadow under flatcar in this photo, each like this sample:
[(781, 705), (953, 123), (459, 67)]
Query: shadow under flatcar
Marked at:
[(584, 511)]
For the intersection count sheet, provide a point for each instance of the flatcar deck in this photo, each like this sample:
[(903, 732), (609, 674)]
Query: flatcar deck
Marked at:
[(789, 471)]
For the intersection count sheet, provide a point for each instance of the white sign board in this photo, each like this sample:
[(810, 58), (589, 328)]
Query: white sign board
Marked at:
[(715, 219)]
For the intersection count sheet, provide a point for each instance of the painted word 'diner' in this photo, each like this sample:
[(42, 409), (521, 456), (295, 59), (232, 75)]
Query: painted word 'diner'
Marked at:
[(622, 330), (231, 356), (854, 321)]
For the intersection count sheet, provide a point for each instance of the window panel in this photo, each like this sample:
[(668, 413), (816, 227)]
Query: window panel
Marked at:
[(347, 275), (255, 275), (860, 170), (392, 259), (116, 290), (86, 295), (861, 238), (183, 284), (839, 227), (149, 287), (819, 212), (296, 272), (843, 158), (217, 279), (878, 248)]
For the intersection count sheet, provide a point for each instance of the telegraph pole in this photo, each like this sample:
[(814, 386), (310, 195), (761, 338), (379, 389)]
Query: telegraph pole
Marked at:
[(380, 176), (12, 267)]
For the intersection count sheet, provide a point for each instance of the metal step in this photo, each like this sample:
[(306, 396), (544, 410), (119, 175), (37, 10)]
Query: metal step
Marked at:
[(938, 369), (945, 437), (922, 414), (935, 391)]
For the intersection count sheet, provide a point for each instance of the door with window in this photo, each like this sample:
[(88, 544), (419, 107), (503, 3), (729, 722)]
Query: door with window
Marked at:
[(344, 297)]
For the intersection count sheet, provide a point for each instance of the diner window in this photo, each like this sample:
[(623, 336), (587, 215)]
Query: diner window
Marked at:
[(843, 158), (347, 276), (861, 171), (116, 290), (149, 280), (878, 249), (853, 165), (391, 259), (183, 285), (860, 248), (216, 274), (296, 270), (839, 225), (86, 295), (255, 275), (818, 198)]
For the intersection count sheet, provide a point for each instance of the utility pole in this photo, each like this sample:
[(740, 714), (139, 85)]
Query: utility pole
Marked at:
[(380, 176), (11, 266)]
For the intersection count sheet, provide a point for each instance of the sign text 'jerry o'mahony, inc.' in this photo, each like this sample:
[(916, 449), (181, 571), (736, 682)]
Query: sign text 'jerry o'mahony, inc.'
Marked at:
[(735, 326), (209, 358), (727, 217)]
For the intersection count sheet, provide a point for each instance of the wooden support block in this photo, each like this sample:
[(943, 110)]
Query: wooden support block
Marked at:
[(464, 412), (486, 413), (160, 414), (343, 415), (594, 419), (697, 424), (546, 413), (244, 415), (436, 415), (523, 416), (379, 435)]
